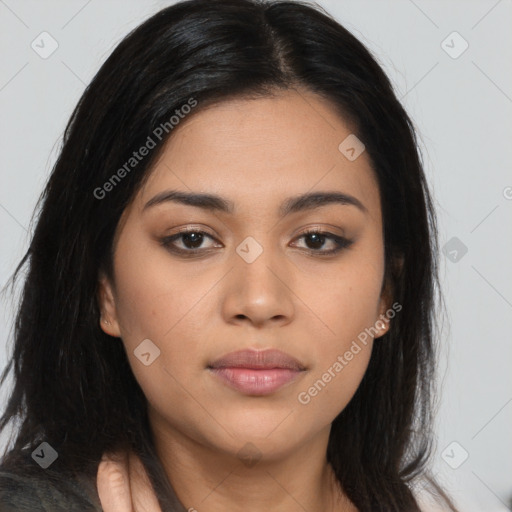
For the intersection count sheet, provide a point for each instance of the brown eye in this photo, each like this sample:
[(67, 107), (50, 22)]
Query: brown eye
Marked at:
[(191, 242), (315, 240)]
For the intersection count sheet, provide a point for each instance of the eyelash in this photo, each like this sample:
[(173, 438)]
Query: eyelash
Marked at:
[(343, 243)]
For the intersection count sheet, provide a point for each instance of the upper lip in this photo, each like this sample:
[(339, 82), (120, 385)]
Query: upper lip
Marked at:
[(257, 359)]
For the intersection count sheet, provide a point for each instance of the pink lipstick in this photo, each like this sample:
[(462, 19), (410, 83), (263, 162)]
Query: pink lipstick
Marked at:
[(256, 372)]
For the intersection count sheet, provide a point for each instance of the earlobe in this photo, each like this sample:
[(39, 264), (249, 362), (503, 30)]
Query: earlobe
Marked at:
[(106, 302), (386, 311), (383, 321), (382, 325)]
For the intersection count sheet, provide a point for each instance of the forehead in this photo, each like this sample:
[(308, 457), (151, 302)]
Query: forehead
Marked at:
[(258, 151)]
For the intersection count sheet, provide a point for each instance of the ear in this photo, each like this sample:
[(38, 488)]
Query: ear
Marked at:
[(106, 302), (382, 323)]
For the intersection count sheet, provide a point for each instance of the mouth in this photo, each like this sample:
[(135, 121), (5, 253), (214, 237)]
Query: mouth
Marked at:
[(254, 372)]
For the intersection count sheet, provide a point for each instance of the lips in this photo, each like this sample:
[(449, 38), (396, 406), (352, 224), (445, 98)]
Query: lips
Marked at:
[(258, 359), (256, 372)]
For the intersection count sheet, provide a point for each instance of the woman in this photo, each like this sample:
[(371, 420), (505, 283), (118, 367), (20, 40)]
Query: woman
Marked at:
[(230, 293)]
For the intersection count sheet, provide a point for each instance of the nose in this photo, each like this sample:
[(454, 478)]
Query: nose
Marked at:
[(259, 293)]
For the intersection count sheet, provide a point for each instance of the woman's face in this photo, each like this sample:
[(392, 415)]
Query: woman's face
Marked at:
[(250, 278)]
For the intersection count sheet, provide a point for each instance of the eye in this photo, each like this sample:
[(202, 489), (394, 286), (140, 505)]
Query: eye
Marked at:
[(316, 240), (192, 241)]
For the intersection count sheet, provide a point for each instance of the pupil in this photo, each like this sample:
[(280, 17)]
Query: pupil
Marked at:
[(194, 238), (317, 238)]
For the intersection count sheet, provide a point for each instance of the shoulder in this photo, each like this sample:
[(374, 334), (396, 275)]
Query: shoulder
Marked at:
[(16, 493), (21, 492)]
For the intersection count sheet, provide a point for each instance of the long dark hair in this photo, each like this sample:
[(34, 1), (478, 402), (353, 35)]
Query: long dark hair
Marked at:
[(73, 386)]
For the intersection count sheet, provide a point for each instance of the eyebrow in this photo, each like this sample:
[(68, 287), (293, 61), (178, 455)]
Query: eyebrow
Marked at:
[(211, 202)]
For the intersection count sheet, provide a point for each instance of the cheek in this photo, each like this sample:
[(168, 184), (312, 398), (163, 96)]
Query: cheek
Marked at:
[(349, 306), (152, 297), (334, 381), (157, 303)]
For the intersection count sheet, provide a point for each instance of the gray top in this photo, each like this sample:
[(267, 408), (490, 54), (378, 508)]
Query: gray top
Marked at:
[(50, 491), (20, 493)]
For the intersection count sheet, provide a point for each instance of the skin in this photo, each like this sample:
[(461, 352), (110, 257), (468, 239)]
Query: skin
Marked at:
[(256, 153), (124, 486)]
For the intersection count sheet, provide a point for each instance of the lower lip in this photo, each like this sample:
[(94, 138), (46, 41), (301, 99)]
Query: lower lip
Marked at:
[(256, 382)]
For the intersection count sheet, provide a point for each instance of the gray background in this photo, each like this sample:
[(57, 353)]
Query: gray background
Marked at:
[(462, 110)]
